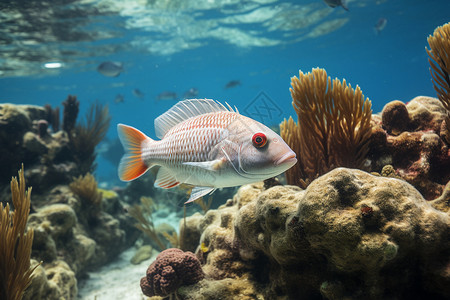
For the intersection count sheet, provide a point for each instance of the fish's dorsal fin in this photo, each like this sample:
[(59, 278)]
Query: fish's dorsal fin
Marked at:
[(184, 110)]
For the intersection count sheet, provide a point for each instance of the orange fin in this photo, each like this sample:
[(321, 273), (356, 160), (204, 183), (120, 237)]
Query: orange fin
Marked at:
[(131, 165)]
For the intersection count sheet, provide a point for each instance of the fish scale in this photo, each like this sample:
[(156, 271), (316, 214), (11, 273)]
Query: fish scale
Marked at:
[(201, 132), (204, 144)]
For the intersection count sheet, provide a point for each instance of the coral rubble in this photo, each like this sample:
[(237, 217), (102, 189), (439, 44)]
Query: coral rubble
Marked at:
[(409, 137), (350, 234)]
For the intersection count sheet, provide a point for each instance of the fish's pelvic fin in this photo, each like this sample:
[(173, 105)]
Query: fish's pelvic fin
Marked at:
[(200, 191), (131, 165), (165, 179), (212, 165)]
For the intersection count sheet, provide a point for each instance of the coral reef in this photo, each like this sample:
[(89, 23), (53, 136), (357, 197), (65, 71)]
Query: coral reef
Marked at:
[(171, 269), (15, 244), (70, 113), (76, 229), (409, 138), (66, 242), (439, 54), (86, 136), (333, 127), (350, 234)]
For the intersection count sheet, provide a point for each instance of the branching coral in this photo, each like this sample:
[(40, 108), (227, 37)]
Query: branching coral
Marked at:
[(143, 215), (440, 67), (333, 127), (15, 244), (86, 136)]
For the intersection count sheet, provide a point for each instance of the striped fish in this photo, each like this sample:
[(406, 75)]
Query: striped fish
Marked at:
[(205, 144)]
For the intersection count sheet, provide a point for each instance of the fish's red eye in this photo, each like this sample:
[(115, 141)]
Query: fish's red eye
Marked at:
[(259, 140)]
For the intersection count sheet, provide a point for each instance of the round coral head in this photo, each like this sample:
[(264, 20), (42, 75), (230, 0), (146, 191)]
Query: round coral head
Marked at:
[(171, 269)]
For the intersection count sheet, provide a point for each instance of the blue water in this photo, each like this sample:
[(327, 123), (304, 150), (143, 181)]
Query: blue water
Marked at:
[(390, 65)]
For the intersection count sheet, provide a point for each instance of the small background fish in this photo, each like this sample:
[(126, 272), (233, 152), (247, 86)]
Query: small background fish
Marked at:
[(380, 25), (110, 68), (335, 3), (232, 84)]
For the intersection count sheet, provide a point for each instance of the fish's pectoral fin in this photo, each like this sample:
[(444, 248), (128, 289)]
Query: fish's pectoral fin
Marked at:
[(212, 165), (165, 179), (200, 191)]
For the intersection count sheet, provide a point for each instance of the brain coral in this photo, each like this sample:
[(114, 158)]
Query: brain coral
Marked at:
[(171, 269)]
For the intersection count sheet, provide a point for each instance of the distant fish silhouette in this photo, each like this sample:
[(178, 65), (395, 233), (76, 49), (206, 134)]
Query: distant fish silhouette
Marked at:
[(167, 95), (191, 93), (110, 68), (335, 3), (232, 84), (137, 93), (119, 98), (380, 25)]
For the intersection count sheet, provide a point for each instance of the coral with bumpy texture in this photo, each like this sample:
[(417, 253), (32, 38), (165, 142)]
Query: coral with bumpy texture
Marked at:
[(171, 269), (410, 138), (350, 234)]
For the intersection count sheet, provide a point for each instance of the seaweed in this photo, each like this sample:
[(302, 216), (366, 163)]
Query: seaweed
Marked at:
[(333, 128), (86, 188), (143, 215), (15, 245), (86, 136), (173, 239), (205, 206), (52, 116), (70, 113)]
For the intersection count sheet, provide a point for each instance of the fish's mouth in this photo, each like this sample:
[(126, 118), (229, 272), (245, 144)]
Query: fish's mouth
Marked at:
[(288, 158)]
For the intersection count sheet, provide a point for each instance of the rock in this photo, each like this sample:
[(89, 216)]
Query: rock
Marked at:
[(60, 218), (348, 235), (411, 140), (190, 232), (426, 113), (395, 117), (54, 283), (142, 254)]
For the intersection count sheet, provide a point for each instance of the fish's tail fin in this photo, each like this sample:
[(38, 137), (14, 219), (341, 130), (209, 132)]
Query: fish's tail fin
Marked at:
[(132, 165)]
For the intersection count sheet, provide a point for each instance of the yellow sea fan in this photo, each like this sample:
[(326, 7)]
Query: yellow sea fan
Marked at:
[(333, 127), (15, 244)]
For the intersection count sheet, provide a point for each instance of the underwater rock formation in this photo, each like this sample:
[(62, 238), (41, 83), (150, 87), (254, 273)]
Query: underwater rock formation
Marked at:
[(409, 137), (69, 244), (349, 234)]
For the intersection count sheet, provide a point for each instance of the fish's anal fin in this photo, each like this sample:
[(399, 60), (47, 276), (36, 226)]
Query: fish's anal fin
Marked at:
[(212, 165), (131, 165), (199, 191), (165, 179)]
